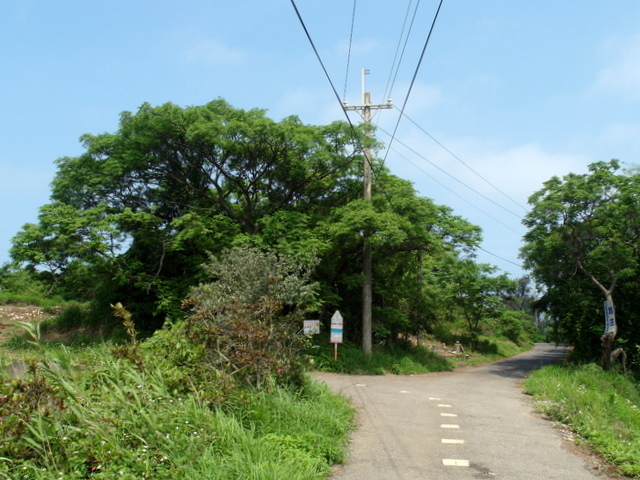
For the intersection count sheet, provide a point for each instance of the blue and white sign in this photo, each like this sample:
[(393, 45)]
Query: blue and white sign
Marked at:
[(609, 318), (336, 328)]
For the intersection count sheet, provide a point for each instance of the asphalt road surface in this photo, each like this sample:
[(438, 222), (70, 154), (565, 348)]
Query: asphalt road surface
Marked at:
[(473, 423)]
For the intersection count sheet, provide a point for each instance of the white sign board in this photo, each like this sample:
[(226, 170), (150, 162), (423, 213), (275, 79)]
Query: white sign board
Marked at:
[(609, 318), (311, 327), (336, 328)]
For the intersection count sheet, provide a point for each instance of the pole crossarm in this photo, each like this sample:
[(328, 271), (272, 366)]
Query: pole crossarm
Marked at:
[(376, 106)]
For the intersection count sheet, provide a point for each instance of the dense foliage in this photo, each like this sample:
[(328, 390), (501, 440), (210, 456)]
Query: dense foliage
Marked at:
[(582, 245), (135, 218)]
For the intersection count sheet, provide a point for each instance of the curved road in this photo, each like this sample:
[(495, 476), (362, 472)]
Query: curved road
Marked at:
[(473, 423)]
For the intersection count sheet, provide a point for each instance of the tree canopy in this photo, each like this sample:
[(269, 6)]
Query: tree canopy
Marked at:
[(136, 216), (582, 243)]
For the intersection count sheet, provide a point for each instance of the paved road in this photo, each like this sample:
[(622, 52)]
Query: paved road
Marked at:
[(473, 423)]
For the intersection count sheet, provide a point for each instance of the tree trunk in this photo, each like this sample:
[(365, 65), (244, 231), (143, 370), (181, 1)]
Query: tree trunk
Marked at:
[(607, 347)]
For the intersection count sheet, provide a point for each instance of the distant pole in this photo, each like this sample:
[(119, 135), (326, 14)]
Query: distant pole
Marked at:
[(367, 295)]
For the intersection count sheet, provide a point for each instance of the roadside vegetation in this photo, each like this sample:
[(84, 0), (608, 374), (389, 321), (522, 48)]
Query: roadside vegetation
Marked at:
[(219, 395), (180, 255), (601, 407), (85, 413)]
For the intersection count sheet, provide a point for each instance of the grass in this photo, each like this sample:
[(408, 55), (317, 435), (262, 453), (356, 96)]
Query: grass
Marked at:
[(403, 358), (399, 359), (603, 408), (83, 413), (48, 304)]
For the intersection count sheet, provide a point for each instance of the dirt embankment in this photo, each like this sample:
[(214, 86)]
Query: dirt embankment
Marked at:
[(10, 315)]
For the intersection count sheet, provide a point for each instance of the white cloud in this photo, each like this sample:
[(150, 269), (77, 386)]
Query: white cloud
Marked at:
[(516, 171), (521, 170), (622, 72), (212, 51), (423, 97)]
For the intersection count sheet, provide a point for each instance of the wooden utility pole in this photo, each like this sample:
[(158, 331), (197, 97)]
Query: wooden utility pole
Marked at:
[(366, 108)]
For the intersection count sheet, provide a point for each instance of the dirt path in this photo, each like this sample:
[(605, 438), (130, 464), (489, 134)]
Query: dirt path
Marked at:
[(473, 423), (10, 314)]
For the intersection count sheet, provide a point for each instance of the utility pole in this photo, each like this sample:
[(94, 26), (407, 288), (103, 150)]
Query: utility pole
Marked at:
[(366, 108)]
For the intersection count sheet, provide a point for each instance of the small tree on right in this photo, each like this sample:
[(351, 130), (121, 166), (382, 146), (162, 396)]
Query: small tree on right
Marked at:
[(587, 225)]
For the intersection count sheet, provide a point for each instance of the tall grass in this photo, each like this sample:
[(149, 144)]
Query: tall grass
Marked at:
[(603, 408), (403, 358), (400, 358), (78, 415)]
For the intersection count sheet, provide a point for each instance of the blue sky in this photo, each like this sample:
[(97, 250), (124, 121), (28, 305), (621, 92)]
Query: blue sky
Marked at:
[(516, 92)]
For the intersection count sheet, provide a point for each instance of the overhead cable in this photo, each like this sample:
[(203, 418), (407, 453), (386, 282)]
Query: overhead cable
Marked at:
[(415, 74), (452, 176), (390, 83), (501, 258), (473, 205), (324, 69), (463, 163), (346, 75)]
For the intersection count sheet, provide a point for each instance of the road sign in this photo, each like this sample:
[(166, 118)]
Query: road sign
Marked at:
[(336, 328), (311, 327), (336, 332), (609, 318), (336, 336)]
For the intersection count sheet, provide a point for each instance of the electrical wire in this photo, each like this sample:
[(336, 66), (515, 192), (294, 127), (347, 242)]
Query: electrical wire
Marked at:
[(346, 75), (390, 83), (401, 111), (518, 216), (324, 69), (473, 205), (415, 74), (501, 258), (464, 163)]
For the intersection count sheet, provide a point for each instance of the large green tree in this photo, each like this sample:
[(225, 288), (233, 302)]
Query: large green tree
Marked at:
[(586, 225), (134, 218), (142, 206)]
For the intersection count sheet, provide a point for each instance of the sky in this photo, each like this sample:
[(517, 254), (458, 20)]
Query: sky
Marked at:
[(507, 94)]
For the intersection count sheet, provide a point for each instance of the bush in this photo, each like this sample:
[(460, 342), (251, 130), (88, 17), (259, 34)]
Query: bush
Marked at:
[(249, 316)]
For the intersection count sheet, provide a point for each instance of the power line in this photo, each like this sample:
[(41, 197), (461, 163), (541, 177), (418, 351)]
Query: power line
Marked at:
[(415, 74), (452, 176), (389, 88), (457, 194), (401, 110), (346, 75), (501, 258), (463, 163), (324, 69)]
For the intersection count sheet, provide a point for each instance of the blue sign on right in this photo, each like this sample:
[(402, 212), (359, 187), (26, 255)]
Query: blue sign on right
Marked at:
[(609, 318)]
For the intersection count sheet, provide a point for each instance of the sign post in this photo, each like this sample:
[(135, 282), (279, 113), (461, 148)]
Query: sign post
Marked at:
[(336, 332)]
